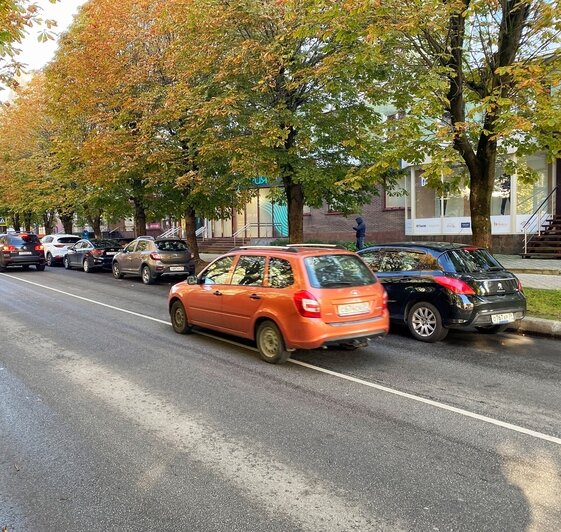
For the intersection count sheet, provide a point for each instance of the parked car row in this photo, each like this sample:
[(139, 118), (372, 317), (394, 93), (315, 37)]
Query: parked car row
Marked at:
[(301, 296)]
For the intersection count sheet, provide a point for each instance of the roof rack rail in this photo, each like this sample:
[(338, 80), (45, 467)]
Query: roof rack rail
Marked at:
[(291, 247), (147, 237), (314, 246)]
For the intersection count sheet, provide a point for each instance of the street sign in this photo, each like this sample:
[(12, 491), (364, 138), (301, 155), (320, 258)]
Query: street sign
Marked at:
[(2, 220)]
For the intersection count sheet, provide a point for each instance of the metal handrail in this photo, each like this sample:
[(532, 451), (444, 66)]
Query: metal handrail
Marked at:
[(170, 232), (540, 217), (201, 231), (248, 225)]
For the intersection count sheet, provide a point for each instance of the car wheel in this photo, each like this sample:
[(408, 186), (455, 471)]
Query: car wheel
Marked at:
[(116, 269), (493, 329), (66, 263), (147, 277), (50, 261), (271, 343), (87, 266), (179, 320), (40, 267), (425, 323)]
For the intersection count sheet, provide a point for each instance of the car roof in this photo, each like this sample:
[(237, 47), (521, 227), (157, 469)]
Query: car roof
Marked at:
[(297, 249), (433, 246)]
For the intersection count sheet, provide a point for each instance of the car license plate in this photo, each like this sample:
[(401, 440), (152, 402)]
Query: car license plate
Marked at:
[(111, 253), (507, 317), (177, 269), (25, 253), (351, 309)]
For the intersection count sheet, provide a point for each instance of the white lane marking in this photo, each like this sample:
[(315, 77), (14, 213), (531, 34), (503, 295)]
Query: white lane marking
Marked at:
[(86, 299), (436, 404)]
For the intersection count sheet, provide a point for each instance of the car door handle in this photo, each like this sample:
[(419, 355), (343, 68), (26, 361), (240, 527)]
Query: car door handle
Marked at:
[(254, 296), (217, 293)]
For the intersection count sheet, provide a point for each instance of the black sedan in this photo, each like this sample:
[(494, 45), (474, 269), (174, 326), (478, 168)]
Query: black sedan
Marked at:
[(435, 286), (91, 254)]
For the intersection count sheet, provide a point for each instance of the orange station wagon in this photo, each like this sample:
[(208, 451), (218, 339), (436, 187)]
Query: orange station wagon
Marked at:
[(284, 298)]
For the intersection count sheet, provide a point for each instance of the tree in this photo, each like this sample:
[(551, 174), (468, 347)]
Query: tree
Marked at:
[(473, 78), (15, 17), (281, 98)]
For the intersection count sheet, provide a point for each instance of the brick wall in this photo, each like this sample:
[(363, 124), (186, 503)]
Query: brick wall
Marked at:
[(381, 225)]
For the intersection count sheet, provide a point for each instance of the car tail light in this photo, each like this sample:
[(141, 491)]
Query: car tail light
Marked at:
[(385, 300), (307, 305), (457, 286), (155, 256), (97, 252), (7, 249), (520, 289), (39, 247)]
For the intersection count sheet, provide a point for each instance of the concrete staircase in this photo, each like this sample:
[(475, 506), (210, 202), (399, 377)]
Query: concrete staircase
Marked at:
[(547, 244), (220, 245)]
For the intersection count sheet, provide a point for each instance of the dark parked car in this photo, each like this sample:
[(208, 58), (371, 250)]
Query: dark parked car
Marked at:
[(433, 287), (152, 258), (21, 249), (91, 254)]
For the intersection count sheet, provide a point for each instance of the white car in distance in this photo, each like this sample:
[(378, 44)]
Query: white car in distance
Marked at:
[(56, 247)]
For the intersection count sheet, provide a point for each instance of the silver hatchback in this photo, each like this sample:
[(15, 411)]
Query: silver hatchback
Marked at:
[(152, 258)]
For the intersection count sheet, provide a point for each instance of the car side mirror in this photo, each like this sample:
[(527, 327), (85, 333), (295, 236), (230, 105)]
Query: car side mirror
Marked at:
[(192, 279)]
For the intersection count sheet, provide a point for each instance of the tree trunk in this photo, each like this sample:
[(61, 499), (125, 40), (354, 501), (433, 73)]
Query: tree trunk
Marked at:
[(48, 221), (27, 221), (95, 222), (16, 221), (190, 230), (67, 220), (295, 201), (139, 217), (481, 190)]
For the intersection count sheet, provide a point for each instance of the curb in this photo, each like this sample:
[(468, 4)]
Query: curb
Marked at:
[(537, 326), (534, 271)]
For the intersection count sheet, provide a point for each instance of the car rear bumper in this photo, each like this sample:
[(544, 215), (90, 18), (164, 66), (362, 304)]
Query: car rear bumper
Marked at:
[(22, 261), (171, 269), (312, 333), (478, 311)]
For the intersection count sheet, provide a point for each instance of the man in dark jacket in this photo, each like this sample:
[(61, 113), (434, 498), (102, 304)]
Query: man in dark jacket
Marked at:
[(360, 229)]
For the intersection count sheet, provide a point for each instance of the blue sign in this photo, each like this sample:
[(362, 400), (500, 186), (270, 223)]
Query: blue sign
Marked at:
[(465, 225), (259, 181)]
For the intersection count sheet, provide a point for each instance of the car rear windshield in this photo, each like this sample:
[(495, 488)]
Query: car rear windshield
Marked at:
[(20, 240), (469, 260), (68, 239), (335, 271), (172, 245), (105, 244)]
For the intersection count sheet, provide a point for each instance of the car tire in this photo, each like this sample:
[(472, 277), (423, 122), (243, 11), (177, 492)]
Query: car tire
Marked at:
[(87, 266), (270, 343), (116, 269), (425, 323), (50, 261), (40, 267), (147, 276), (66, 263), (179, 320), (493, 329)]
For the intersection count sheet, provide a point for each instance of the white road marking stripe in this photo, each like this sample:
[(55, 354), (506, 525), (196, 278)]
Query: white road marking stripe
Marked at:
[(436, 404)]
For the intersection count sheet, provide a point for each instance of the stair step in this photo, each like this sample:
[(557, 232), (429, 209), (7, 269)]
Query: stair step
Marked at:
[(541, 256)]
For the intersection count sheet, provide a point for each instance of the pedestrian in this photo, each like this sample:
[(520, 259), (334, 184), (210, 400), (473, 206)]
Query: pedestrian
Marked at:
[(360, 229)]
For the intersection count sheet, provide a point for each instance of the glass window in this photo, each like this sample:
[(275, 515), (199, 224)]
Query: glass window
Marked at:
[(217, 272), (172, 245), (47, 240), (334, 271), (395, 198), (142, 245), (67, 239), (23, 239), (373, 259), (131, 246), (280, 273), (400, 260), (468, 260), (250, 271)]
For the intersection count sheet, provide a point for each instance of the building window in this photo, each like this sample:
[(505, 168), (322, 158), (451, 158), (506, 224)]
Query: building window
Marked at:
[(395, 198)]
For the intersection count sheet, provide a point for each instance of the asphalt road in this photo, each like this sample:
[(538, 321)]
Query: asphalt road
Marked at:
[(111, 421)]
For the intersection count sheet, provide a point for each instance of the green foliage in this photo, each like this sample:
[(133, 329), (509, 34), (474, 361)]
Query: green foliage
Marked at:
[(543, 303)]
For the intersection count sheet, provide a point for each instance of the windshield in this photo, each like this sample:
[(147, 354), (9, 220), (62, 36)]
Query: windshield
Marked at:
[(171, 245), (68, 239), (20, 240), (335, 271), (468, 260)]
